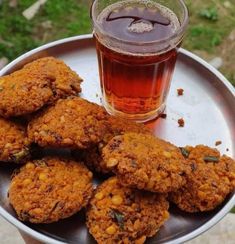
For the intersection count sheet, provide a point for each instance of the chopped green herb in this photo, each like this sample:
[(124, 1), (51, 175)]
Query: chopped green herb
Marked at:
[(118, 217), (211, 159), (41, 163), (21, 155), (1, 89), (184, 152)]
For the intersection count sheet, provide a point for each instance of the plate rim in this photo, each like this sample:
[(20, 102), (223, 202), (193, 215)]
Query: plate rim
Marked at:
[(213, 221)]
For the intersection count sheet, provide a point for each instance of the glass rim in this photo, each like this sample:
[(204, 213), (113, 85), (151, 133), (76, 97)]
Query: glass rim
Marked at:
[(179, 32)]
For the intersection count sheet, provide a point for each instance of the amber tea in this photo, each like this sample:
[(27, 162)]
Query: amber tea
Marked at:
[(135, 79)]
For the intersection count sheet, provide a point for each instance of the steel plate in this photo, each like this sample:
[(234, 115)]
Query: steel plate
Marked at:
[(208, 108)]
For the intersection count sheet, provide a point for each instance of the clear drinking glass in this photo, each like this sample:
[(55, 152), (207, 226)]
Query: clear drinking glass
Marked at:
[(137, 43)]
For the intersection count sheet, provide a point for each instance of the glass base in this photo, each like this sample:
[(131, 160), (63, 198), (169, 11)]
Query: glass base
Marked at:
[(139, 118)]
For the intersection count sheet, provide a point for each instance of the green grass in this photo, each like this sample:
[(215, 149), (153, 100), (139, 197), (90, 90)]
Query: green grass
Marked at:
[(202, 37), (18, 35), (209, 13), (210, 23)]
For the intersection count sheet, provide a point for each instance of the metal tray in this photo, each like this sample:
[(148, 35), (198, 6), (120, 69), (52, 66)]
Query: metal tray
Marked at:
[(208, 108)]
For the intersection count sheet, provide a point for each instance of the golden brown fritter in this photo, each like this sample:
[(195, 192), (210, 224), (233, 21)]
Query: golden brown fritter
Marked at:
[(47, 190), (35, 85), (23, 92), (72, 123), (211, 180), (115, 126), (66, 81), (14, 145), (145, 162), (118, 214)]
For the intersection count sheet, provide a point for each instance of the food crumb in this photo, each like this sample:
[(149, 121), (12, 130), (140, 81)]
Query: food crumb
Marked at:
[(96, 95), (217, 143), (227, 149), (180, 92), (181, 122), (163, 116)]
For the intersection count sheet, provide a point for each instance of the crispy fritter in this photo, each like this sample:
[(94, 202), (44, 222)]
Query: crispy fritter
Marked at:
[(145, 162), (66, 81), (14, 144), (211, 180), (23, 92), (118, 214), (47, 190), (72, 123), (116, 126), (35, 85)]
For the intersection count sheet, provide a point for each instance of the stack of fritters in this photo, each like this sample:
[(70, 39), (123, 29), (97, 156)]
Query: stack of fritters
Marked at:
[(115, 126), (26, 91), (126, 208), (49, 189)]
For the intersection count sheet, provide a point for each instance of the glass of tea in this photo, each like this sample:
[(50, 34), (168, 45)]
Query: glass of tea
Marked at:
[(137, 43)]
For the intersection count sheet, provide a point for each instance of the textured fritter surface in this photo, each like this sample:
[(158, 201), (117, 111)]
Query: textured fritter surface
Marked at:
[(35, 85), (115, 126), (118, 214), (23, 92), (66, 81), (211, 180), (73, 123), (14, 145), (145, 162), (50, 189)]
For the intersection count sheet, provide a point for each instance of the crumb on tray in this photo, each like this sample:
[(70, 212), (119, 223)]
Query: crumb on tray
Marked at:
[(163, 116), (181, 122), (180, 92), (217, 143)]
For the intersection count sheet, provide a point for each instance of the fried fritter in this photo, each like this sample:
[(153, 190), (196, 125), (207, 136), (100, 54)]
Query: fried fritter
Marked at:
[(116, 126), (145, 162), (118, 214), (211, 180), (14, 144), (72, 123), (66, 81), (35, 85), (23, 92), (47, 190)]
